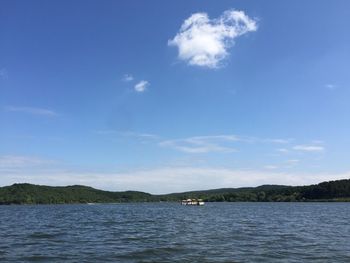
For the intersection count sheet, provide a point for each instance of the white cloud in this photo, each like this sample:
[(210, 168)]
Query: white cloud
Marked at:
[(283, 150), (128, 77), (32, 110), (205, 42), (141, 86), (309, 148)]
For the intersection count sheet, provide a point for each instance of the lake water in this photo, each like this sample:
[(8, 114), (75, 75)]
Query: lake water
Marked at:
[(169, 232)]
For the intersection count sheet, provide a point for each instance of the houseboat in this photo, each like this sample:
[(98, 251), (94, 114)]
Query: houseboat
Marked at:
[(192, 202)]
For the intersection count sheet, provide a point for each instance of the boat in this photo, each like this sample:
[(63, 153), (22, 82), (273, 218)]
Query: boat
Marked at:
[(192, 202)]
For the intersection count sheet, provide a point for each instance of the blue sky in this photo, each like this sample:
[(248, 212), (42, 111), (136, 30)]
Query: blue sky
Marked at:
[(173, 96)]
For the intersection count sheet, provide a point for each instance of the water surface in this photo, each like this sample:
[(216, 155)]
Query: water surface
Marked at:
[(169, 232)]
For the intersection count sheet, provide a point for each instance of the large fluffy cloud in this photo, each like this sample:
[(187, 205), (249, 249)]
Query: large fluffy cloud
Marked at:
[(205, 42)]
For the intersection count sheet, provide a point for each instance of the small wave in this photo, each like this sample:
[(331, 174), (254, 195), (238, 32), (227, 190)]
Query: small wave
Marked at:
[(41, 258), (151, 252), (42, 235)]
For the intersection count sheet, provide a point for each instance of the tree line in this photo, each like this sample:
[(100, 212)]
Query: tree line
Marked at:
[(37, 194)]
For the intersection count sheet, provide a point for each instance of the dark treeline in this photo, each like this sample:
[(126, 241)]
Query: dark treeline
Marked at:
[(326, 191), (37, 194)]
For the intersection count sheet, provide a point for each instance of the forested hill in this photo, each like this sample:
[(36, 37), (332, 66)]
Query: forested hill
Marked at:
[(327, 191), (37, 194)]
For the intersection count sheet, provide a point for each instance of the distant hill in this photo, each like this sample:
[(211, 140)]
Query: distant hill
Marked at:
[(327, 191), (37, 194)]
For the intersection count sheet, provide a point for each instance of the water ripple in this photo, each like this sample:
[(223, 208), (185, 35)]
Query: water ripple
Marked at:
[(162, 232)]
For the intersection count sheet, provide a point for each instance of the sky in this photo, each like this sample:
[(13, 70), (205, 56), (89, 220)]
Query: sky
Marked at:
[(171, 96)]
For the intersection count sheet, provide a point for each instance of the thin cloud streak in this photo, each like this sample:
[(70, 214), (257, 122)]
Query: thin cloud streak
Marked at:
[(201, 144), (215, 143), (270, 167), (32, 111), (22, 162), (309, 148), (128, 134)]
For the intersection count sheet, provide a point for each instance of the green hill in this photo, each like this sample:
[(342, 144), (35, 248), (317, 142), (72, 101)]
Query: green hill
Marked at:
[(37, 194)]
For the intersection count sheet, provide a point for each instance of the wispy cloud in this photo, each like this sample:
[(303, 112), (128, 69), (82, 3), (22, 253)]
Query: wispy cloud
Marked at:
[(215, 143), (202, 144), (223, 137), (331, 86), (140, 135), (309, 148), (205, 42), (278, 141), (128, 77), (283, 150), (141, 86), (222, 143), (105, 132), (32, 110), (20, 161), (293, 161), (270, 167), (196, 148), (127, 134), (3, 73), (317, 142)]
